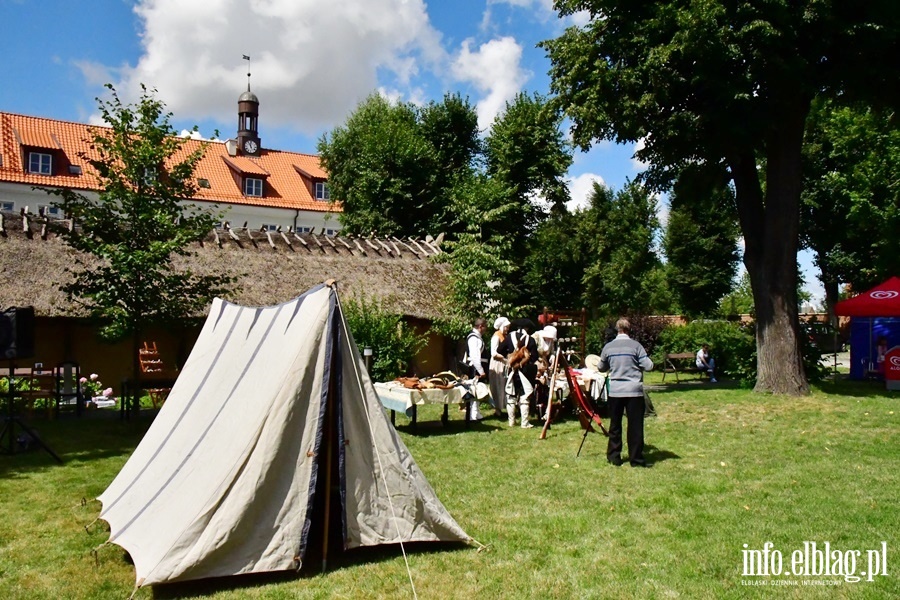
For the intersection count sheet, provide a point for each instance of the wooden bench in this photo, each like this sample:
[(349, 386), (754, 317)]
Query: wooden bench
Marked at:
[(681, 362)]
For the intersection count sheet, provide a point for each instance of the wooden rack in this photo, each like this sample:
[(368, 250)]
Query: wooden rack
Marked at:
[(571, 328)]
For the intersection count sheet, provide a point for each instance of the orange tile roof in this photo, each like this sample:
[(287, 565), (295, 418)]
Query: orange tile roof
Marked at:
[(290, 176), (38, 139), (245, 165)]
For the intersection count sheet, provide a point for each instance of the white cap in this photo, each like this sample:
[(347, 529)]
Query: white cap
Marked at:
[(500, 322), (549, 332)]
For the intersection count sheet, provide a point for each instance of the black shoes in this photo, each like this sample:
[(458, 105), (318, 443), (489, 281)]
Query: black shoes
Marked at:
[(616, 462)]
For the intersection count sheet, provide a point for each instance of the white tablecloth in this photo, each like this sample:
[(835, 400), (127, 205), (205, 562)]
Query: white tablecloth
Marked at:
[(395, 396)]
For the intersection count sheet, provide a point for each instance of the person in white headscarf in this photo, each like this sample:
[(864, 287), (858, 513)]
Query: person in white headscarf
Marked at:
[(520, 351), (497, 366)]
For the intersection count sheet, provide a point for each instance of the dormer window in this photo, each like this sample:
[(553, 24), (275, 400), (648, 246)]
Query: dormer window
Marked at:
[(322, 191), (40, 163), (253, 187)]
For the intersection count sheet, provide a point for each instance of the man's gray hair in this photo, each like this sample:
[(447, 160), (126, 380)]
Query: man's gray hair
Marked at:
[(623, 325), (479, 322)]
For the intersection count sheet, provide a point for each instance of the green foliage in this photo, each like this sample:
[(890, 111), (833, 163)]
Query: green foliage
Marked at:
[(850, 203), (732, 345), (137, 225), (378, 165), (527, 152), (700, 240), (481, 258), (394, 344), (556, 262), (617, 232), (739, 301), (393, 166), (726, 84)]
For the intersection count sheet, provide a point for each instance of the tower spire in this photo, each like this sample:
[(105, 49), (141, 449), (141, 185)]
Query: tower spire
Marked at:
[(248, 119)]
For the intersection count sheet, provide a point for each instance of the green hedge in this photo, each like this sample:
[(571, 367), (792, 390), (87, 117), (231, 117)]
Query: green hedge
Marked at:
[(394, 344), (732, 345)]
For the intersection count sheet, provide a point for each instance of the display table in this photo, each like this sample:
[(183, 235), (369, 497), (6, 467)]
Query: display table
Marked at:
[(397, 398)]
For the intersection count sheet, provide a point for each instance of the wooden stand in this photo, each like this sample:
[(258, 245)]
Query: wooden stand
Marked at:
[(571, 327)]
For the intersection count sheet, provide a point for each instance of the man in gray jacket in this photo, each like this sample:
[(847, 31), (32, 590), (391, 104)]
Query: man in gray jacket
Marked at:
[(625, 360)]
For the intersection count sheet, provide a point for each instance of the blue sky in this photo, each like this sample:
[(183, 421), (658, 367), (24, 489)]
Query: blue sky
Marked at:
[(312, 62)]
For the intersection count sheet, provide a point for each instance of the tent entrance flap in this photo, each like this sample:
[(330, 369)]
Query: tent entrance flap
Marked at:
[(326, 534)]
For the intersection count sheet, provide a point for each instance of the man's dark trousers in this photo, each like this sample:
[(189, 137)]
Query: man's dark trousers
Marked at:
[(633, 408)]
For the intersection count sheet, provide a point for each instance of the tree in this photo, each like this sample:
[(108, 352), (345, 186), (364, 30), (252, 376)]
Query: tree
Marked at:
[(379, 167), (850, 211), (740, 300), (393, 166), (700, 240), (138, 224), (527, 152), (528, 156), (617, 231), (481, 281), (728, 84), (451, 128), (556, 262)]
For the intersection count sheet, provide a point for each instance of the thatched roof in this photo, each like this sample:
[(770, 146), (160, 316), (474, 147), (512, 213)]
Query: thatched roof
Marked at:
[(269, 267)]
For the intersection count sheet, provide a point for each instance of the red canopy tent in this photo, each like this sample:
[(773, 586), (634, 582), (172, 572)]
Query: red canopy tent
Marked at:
[(881, 301), (876, 314)]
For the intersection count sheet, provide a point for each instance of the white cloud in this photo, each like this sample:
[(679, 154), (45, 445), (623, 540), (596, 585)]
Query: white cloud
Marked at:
[(196, 135), (493, 69), (541, 7), (638, 165), (95, 73), (580, 189), (311, 61)]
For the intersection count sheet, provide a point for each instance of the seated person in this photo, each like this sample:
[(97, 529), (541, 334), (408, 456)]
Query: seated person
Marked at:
[(706, 363)]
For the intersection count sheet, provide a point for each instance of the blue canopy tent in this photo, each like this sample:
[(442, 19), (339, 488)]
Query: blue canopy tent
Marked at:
[(874, 314)]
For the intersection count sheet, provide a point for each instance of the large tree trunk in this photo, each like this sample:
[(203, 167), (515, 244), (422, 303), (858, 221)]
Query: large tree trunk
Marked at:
[(771, 229)]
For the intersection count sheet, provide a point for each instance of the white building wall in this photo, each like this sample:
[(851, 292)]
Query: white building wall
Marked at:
[(14, 197)]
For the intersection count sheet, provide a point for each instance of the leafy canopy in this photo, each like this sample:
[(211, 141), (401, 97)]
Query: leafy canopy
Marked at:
[(138, 224)]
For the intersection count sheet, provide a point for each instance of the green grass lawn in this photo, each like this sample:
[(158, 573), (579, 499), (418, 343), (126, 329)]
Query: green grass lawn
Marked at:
[(730, 468)]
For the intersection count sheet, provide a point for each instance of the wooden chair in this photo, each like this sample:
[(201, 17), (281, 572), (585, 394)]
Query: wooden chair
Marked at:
[(68, 387), (151, 363), (41, 385)]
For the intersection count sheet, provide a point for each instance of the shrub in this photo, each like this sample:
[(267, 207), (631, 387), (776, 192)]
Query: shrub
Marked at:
[(644, 329), (394, 344), (732, 345)]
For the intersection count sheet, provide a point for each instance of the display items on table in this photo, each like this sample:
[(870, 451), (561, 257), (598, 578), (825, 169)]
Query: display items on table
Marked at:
[(95, 394)]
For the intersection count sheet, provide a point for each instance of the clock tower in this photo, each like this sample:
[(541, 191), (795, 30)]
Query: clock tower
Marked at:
[(248, 123)]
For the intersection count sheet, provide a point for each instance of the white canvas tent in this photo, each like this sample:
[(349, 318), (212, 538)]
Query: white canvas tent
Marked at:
[(271, 445)]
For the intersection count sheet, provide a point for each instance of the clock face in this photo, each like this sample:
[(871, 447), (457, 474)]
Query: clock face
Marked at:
[(250, 146)]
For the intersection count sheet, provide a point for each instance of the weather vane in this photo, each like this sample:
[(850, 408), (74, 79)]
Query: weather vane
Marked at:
[(247, 58)]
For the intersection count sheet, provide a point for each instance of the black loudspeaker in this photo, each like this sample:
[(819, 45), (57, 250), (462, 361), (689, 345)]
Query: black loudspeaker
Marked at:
[(17, 333)]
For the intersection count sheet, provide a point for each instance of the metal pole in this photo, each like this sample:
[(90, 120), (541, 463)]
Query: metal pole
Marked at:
[(367, 354)]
